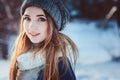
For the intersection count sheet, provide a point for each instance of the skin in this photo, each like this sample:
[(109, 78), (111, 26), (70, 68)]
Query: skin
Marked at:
[(35, 24)]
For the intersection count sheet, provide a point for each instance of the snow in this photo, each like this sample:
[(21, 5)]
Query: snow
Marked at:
[(94, 44), (100, 71), (95, 49), (4, 69)]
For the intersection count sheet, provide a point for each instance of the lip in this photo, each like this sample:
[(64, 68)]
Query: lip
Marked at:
[(34, 34)]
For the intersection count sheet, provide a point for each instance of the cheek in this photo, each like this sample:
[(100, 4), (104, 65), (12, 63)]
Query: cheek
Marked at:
[(45, 31), (25, 26), (44, 28)]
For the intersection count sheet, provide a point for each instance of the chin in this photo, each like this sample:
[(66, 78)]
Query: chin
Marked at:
[(35, 41)]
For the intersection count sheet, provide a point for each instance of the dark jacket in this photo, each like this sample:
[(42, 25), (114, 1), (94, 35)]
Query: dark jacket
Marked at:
[(67, 75)]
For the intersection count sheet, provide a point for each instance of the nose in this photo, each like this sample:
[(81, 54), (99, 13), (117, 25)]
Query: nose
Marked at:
[(32, 26)]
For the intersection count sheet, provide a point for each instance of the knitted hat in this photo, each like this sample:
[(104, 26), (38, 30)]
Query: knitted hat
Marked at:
[(55, 8)]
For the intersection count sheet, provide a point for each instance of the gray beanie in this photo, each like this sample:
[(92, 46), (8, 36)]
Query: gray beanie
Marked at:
[(55, 8)]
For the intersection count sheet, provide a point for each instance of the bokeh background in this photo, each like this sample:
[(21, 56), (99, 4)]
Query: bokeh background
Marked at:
[(94, 27)]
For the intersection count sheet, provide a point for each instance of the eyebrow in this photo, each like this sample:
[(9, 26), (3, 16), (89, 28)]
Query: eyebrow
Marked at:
[(41, 15), (26, 15), (36, 15)]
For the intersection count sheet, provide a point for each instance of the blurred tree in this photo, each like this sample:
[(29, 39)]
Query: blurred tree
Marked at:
[(91, 9), (10, 13), (95, 9), (117, 14), (9, 20)]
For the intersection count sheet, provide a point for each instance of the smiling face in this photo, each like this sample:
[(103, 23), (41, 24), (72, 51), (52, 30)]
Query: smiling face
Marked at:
[(35, 24)]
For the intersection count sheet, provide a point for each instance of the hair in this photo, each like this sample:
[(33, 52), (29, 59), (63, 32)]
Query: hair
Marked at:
[(55, 43)]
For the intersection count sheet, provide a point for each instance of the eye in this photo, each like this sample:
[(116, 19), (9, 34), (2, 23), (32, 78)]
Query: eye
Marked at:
[(27, 18), (42, 19)]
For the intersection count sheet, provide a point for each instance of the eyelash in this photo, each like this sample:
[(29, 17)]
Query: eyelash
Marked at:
[(27, 18), (42, 19)]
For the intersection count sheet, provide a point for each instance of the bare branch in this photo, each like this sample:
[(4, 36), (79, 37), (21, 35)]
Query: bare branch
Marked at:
[(7, 9)]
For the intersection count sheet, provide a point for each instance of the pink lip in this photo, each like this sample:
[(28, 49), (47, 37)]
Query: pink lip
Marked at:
[(34, 34)]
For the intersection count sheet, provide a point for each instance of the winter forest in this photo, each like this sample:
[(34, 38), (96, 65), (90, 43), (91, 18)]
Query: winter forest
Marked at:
[(94, 26)]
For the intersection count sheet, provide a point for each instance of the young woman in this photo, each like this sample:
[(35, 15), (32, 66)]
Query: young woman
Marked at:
[(41, 51)]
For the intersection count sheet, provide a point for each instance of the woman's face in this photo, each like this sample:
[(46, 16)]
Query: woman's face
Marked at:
[(35, 24)]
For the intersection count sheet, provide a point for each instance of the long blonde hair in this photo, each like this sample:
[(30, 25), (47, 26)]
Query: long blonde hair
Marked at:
[(55, 43)]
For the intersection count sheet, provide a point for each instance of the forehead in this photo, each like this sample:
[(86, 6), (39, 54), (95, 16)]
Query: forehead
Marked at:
[(32, 10)]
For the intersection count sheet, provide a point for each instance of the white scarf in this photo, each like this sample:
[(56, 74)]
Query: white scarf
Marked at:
[(26, 61)]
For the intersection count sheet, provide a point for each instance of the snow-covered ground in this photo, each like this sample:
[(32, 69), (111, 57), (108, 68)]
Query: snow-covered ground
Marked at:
[(94, 44), (95, 49), (100, 71), (4, 69)]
